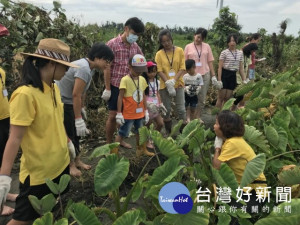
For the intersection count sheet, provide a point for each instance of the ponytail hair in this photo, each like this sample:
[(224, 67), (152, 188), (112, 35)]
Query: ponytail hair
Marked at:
[(31, 72)]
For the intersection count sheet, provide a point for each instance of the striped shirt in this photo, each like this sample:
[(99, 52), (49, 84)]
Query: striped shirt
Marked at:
[(231, 59), (122, 52)]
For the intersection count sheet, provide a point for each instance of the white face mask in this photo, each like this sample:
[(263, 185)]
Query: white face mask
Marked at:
[(131, 38)]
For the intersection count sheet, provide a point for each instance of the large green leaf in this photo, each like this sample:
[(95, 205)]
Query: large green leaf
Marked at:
[(83, 215), (133, 217), (282, 217), (63, 182), (163, 175), (272, 135), (191, 218), (290, 177), (223, 219), (253, 169), (258, 103), (143, 135), (110, 174), (104, 150), (225, 177), (44, 205), (294, 112), (47, 219), (167, 147), (283, 139), (256, 139), (228, 104)]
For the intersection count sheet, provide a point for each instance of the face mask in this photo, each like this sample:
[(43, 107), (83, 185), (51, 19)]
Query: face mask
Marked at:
[(131, 38)]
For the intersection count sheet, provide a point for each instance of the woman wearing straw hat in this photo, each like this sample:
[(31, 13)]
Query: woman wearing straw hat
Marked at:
[(4, 123), (36, 119)]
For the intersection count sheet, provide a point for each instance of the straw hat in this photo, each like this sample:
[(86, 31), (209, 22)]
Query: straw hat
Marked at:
[(3, 31), (54, 50)]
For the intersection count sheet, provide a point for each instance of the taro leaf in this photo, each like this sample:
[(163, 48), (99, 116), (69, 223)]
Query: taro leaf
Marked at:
[(63, 221), (110, 174), (137, 191), (83, 215), (253, 169), (283, 139), (52, 186), (163, 175), (167, 147), (104, 150), (47, 219), (143, 135), (256, 138), (63, 182), (272, 135), (44, 205), (225, 177), (132, 217), (176, 128), (282, 217), (191, 218), (228, 104), (290, 177), (294, 112), (223, 219)]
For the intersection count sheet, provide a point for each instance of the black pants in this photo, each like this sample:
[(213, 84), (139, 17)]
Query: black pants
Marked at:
[(4, 132), (69, 122)]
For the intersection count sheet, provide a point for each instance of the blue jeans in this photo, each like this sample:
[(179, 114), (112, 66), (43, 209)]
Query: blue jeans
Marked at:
[(251, 74), (126, 127)]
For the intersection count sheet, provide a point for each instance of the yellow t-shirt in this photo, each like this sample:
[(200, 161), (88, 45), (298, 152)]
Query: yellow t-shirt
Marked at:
[(163, 64), (4, 106), (44, 145), (237, 153), (131, 108)]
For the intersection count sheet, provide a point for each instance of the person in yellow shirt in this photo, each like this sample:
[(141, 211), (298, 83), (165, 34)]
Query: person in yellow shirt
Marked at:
[(231, 148), (36, 125), (171, 68)]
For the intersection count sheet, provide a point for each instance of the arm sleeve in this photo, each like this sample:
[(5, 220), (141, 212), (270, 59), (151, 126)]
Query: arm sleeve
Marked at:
[(83, 74), (22, 110), (223, 55), (200, 80), (123, 83), (158, 62), (182, 60), (229, 151)]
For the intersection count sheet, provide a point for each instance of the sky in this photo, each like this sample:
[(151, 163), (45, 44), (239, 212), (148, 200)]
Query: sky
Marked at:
[(252, 14)]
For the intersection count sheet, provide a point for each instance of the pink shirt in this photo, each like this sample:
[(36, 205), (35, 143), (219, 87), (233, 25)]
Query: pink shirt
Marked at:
[(252, 65), (119, 67), (205, 53)]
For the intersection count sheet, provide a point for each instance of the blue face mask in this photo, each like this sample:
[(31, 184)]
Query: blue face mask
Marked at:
[(131, 38)]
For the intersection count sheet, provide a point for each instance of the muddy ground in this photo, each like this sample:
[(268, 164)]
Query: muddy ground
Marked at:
[(82, 189)]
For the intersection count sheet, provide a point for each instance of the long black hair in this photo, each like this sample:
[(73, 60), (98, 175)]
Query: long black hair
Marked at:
[(161, 34), (31, 72), (144, 74)]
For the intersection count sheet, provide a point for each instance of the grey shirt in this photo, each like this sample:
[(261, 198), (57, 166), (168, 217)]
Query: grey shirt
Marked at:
[(66, 84)]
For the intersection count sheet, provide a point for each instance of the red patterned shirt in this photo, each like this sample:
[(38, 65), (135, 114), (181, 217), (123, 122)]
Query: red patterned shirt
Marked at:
[(119, 67)]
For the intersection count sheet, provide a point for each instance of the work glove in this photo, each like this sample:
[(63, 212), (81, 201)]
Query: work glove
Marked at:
[(71, 149), (146, 116), (81, 129), (246, 81), (218, 142), (187, 90), (198, 90), (219, 85), (152, 107), (214, 81), (106, 95), (170, 87), (120, 119), (83, 113), (4, 189), (162, 109)]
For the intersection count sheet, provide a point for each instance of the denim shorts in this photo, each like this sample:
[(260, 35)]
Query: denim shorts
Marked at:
[(191, 101), (251, 74), (113, 101), (126, 127)]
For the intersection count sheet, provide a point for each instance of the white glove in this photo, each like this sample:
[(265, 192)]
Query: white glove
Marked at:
[(170, 86), (162, 109), (81, 129), (219, 85), (71, 149), (120, 119), (146, 116), (218, 142), (214, 81), (246, 81), (4, 189), (106, 95), (187, 90), (152, 107), (83, 113), (198, 90)]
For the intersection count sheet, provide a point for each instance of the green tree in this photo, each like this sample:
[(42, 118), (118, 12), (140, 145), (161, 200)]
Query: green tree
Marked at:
[(224, 25)]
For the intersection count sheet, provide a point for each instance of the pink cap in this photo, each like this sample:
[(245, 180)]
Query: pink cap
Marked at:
[(150, 63), (3, 31)]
